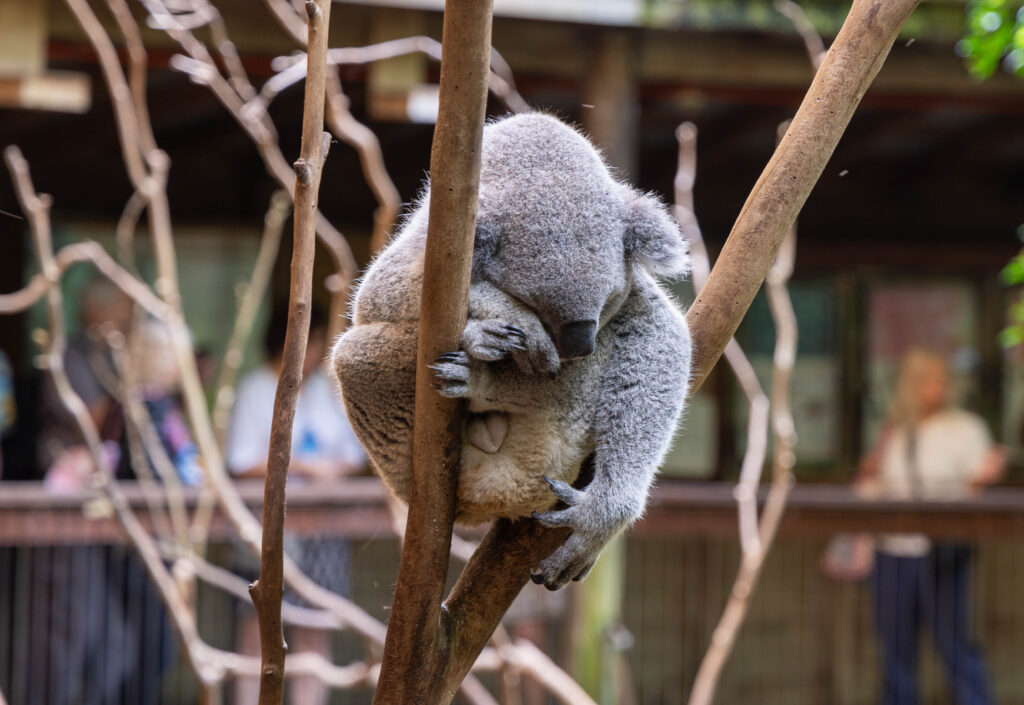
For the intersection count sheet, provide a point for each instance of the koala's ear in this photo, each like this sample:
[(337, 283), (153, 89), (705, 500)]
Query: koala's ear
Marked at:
[(653, 238)]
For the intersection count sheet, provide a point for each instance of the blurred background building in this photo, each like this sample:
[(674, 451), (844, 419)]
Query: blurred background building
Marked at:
[(900, 244)]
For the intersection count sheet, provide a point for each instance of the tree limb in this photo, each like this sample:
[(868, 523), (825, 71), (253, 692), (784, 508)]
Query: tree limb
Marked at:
[(268, 589), (416, 649), (500, 567), (849, 67)]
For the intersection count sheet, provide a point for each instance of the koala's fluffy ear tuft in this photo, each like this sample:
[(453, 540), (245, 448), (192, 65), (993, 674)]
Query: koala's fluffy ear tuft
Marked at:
[(653, 238)]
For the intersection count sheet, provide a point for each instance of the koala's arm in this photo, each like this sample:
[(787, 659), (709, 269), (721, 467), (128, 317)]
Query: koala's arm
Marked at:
[(501, 326), (642, 393)]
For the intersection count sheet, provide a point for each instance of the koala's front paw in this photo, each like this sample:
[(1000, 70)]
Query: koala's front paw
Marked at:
[(491, 339), (591, 530), (452, 372), (539, 355)]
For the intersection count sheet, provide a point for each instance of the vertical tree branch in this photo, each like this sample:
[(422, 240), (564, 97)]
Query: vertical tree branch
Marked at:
[(267, 591), (848, 69), (416, 650)]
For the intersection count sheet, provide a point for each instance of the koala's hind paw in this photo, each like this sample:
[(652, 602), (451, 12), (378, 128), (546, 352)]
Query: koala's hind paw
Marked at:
[(451, 371), (492, 339)]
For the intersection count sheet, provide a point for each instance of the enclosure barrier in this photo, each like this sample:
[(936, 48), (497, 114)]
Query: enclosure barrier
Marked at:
[(808, 639)]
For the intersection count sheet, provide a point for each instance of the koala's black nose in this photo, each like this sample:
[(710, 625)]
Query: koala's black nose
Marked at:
[(576, 339)]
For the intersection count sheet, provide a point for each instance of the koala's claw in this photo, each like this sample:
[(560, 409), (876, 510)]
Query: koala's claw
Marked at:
[(564, 491), (451, 371), (491, 340)]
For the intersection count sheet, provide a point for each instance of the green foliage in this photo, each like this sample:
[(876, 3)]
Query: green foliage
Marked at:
[(1013, 275), (994, 35)]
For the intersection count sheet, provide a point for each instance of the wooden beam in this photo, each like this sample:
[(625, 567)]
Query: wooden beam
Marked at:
[(58, 91)]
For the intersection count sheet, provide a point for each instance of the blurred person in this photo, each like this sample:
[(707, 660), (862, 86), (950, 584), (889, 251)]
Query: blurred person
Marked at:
[(324, 449), (94, 660), (8, 414), (90, 370), (158, 381), (930, 450)]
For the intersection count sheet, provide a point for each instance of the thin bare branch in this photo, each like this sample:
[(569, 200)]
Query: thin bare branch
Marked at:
[(358, 136), (803, 26), (783, 459), (291, 69), (757, 423), (236, 586), (268, 589), (126, 227), (136, 70), (248, 307)]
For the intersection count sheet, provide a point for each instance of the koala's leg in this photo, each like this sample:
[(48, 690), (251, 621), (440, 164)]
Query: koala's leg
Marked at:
[(375, 364), (500, 326), (642, 392)]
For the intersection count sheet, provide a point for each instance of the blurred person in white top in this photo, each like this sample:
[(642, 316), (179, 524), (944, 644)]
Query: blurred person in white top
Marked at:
[(928, 450)]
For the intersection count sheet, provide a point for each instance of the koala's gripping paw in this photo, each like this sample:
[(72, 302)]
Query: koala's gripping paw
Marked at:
[(574, 559), (539, 355), (452, 373), (490, 340)]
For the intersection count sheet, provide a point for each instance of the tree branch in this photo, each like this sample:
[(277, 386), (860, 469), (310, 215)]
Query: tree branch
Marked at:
[(849, 67), (416, 649), (267, 591)]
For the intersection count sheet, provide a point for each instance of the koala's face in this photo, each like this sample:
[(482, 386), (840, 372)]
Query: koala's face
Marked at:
[(574, 266), (574, 282), (558, 232)]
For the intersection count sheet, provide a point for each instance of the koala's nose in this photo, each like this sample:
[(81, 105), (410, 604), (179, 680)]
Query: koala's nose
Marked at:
[(576, 339)]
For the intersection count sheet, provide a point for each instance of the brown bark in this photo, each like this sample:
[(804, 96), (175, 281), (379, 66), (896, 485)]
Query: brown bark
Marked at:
[(267, 591), (416, 648), (848, 69)]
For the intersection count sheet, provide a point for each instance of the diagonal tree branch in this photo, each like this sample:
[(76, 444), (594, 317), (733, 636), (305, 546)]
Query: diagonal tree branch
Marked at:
[(849, 67)]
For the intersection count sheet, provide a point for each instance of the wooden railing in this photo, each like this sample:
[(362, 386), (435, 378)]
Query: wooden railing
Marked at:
[(356, 508)]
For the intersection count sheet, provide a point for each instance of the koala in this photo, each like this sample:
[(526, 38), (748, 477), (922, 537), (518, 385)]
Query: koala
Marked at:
[(571, 349)]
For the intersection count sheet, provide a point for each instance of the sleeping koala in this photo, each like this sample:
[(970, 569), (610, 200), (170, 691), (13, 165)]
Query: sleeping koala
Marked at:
[(571, 348)]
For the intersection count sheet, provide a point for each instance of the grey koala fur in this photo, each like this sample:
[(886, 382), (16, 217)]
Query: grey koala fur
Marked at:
[(571, 348)]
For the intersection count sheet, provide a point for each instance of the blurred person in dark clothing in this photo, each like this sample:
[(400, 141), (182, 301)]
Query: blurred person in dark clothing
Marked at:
[(90, 369), (928, 450)]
